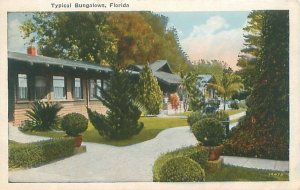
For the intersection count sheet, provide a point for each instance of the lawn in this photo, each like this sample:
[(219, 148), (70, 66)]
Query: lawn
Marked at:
[(232, 112), (187, 113), (234, 173), (152, 126)]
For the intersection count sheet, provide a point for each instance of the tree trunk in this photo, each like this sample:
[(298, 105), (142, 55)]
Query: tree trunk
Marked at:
[(224, 103)]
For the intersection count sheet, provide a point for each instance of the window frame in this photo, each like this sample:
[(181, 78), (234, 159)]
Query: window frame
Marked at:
[(18, 88), (74, 87), (46, 87), (64, 97)]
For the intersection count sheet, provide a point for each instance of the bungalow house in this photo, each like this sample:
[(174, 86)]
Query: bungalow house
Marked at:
[(202, 84), (73, 84), (161, 69)]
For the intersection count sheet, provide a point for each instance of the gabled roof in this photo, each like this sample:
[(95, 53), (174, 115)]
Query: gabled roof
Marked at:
[(167, 77), (159, 65), (205, 78), (56, 62)]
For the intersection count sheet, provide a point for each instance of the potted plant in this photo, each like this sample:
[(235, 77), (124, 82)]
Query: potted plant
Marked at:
[(210, 134), (74, 124)]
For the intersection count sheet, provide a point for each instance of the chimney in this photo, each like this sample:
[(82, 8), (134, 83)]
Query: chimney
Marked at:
[(31, 51)]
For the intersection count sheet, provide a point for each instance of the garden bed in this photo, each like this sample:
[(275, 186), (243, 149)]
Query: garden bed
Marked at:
[(152, 126)]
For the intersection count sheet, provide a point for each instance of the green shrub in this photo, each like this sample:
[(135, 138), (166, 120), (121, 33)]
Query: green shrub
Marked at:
[(42, 116), (122, 118), (26, 155), (181, 169), (194, 117), (198, 154), (234, 105), (209, 131), (74, 123), (197, 116)]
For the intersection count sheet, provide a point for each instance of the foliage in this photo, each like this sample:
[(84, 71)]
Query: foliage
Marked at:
[(149, 93), (74, 123), (121, 119), (253, 44), (153, 126), (174, 99), (197, 116), (210, 67), (26, 155), (234, 105), (209, 131), (198, 154), (42, 116), (181, 169), (267, 120), (189, 93), (116, 38), (194, 117), (228, 85)]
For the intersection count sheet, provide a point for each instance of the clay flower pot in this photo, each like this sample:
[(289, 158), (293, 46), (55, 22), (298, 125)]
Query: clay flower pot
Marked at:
[(214, 152), (78, 140)]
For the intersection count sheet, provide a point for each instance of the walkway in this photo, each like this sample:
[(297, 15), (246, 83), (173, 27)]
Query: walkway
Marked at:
[(105, 163)]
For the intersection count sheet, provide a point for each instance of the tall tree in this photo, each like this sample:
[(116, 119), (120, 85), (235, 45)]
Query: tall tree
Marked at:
[(228, 85), (119, 38), (265, 130), (121, 119), (253, 43), (149, 94), (77, 36)]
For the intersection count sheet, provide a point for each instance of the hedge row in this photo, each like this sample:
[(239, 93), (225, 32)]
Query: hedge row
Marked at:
[(196, 154), (26, 155)]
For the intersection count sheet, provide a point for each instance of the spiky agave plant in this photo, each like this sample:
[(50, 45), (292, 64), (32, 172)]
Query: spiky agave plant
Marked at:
[(43, 115)]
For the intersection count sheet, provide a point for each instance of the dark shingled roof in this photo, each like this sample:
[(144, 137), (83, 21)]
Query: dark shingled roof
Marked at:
[(162, 76), (158, 64), (167, 77), (56, 62)]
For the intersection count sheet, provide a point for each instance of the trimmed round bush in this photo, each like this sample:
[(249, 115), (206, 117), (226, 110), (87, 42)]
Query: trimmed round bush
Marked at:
[(194, 117), (181, 169), (74, 123), (209, 131)]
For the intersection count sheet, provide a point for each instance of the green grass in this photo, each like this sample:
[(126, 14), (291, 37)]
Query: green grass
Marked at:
[(232, 112), (234, 120), (187, 113), (153, 125), (234, 173)]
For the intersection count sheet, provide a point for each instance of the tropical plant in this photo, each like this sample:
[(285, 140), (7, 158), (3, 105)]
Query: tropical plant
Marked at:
[(189, 92), (228, 85), (209, 131), (149, 94), (74, 123), (42, 115), (121, 119)]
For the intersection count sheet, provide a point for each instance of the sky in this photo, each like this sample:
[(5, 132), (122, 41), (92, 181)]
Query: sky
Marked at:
[(202, 35)]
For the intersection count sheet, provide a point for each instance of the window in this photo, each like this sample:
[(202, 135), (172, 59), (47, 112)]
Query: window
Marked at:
[(98, 83), (22, 87), (92, 89), (59, 87), (95, 86), (77, 88), (40, 87)]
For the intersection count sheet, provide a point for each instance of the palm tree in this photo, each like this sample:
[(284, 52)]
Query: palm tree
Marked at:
[(228, 85)]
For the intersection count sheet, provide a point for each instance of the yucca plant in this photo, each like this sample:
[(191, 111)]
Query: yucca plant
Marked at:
[(43, 115)]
